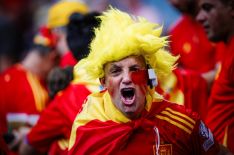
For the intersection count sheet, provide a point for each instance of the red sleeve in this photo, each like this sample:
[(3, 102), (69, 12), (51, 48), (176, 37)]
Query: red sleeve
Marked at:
[(203, 141), (56, 120), (195, 91), (221, 101), (49, 125)]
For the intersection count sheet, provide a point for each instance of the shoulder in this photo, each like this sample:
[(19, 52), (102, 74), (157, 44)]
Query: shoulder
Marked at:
[(70, 99), (12, 77), (177, 26), (184, 127), (74, 89), (178, 116)]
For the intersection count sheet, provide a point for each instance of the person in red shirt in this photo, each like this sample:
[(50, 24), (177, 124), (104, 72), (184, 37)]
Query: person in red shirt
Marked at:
[(23, 93), (58, 18), (217, 18), (129, 116), (197, 57), (52, 135), (196, 52)]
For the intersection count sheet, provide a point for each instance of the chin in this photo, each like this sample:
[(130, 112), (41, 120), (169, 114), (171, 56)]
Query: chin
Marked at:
[(131, 115), (214, 38)]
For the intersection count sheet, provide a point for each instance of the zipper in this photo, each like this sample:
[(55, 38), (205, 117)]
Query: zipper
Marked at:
[(157, 140)]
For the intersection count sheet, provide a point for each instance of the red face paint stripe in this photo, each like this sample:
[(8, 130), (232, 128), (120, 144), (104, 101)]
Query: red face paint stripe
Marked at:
[(139, 77)]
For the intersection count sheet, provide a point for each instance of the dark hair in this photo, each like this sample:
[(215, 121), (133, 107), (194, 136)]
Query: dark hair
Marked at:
[(80, 31), (10, 39), (228, 2), (42, 50)]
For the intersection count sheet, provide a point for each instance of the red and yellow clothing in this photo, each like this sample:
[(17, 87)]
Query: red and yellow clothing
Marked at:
[(163, 127), (53, 129), (221, 103), (22, 97), (197, 55), (187, 88)]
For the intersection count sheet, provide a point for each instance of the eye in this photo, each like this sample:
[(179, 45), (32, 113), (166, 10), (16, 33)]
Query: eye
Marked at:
[(207, 7), (114, 71), (134, 68)]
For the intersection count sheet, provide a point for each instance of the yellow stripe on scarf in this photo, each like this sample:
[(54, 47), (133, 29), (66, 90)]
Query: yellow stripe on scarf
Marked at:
[(100, 107), (39, 93)]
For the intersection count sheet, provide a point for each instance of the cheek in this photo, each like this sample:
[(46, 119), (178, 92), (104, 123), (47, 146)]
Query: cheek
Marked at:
[(111, 86), (139, 77), (142, 90)]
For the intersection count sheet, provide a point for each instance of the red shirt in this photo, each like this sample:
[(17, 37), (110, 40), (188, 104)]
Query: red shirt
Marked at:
[(189, 40), (194, 89), (67, 60), (166, 126), (22, 97), (197, 55), (221, 103), (56, 120)]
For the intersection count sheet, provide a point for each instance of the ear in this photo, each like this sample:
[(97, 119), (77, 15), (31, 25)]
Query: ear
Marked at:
[(102, 81), (232, 12)]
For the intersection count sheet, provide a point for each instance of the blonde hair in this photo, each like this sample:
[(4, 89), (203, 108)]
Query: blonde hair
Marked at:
[(121, 35)]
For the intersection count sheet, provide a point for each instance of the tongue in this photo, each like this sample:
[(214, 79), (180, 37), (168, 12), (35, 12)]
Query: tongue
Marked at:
[(128, 100)]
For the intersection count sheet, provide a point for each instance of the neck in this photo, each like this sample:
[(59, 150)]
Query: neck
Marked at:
[(32, 63)]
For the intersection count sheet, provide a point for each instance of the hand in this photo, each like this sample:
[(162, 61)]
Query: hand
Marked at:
[(18, 137)]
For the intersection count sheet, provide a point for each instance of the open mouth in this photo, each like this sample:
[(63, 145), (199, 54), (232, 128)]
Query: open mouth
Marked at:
[(206, 27), (128, 95)]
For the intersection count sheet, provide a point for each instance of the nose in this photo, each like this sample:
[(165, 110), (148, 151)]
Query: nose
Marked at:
[(126, 79), (200, 17)]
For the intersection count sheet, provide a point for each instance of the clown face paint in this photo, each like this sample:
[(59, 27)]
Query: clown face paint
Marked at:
[(126, 82)]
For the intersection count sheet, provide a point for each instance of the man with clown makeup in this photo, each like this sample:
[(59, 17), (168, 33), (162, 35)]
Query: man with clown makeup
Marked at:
[(129, 116)]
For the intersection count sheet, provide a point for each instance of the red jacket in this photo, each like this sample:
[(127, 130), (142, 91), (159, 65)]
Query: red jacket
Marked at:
[(22, 97), (197, 55), (221, 103), (52, 131)]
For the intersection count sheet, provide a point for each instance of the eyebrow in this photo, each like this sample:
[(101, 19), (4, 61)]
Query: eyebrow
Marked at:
[(115, 65), (132, 66)]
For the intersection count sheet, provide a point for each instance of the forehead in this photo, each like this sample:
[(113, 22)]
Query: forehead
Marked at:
[(128, 61)]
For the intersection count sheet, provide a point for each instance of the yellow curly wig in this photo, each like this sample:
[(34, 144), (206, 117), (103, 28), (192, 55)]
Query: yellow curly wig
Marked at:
[(121, 35)]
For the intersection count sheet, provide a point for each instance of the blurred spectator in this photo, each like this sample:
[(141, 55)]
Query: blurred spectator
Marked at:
[(23, 93), (197, 56), (217, 18), (51, 135), (58, 17)]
